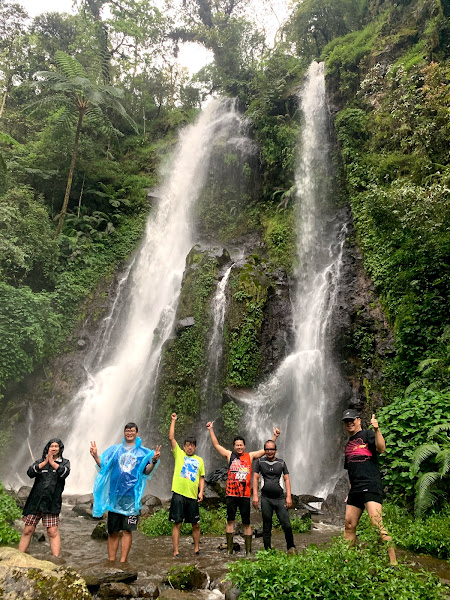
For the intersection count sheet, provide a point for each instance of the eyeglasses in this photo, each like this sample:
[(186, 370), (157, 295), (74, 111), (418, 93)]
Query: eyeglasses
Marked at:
[(270, 449)]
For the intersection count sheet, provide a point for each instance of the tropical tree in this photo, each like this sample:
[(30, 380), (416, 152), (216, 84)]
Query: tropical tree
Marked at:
[(433, 484), (77, 98)]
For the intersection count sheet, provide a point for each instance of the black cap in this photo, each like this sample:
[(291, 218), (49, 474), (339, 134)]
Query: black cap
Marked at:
[(350, 413)]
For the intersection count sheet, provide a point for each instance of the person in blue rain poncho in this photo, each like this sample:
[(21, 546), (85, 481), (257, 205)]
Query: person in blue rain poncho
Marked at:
[(119, 487)]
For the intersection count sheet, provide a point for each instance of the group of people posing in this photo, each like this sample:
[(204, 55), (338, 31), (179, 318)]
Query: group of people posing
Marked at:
[(125, 468)]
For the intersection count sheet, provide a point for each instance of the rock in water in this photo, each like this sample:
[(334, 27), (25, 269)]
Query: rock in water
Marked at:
[(187, 578), (100, 532), (23, 577)]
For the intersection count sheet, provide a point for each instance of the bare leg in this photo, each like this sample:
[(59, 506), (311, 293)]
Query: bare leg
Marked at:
[(54, 539), (248, 530), (230, 527), (196, 536), (375, 513), (127, 538), (176, 536), (352, 516), (113, 545), (26, 537)]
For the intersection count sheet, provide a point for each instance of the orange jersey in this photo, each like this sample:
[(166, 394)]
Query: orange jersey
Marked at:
[(239, 476)]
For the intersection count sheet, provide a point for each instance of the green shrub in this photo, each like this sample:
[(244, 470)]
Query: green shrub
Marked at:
[(405, 424), (428, 535), (338, 572), (9, 511), (211, 522)]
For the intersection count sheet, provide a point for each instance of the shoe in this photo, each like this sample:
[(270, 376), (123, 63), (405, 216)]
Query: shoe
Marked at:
[(197, 553), (178, 555)]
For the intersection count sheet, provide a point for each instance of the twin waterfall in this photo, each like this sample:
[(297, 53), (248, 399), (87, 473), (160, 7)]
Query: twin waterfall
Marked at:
[(122, 368)]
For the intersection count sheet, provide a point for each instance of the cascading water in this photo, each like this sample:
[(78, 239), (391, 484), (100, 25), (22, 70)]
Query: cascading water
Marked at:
[(302, 397), (122, 369), (212, 395)]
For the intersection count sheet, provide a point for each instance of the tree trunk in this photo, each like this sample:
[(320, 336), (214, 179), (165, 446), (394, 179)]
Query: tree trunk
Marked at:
[(2, 107), (62, 215)]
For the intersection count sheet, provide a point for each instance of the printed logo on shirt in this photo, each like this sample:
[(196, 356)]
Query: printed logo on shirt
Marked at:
[(190, 468), (127, 462), (239, 471), (357, 451)]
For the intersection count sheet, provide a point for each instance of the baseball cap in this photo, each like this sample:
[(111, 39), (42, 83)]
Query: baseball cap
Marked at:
[(350, 413)]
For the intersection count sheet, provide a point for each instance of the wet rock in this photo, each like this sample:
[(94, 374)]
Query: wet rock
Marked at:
[(334, 506), (211, 498), (305, 498), (99, 575), (83, 510), (187, 578), (145, 510), (258, 532), (150, 590), (232, 594), (183, 324), (41, 538), (99, 532), (23, 577), (85, 499), (236, 546), (115, 590), (150, 500)]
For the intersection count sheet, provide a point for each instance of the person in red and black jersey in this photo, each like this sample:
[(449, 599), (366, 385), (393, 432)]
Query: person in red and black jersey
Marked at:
[(361, 462), (238, 490)]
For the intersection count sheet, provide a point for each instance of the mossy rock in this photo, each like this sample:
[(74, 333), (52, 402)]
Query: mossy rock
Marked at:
[(23, 577), (187, 578)]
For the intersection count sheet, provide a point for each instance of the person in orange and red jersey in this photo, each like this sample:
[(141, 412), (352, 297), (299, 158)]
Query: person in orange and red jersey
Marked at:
[(366, 490), (238, 489)]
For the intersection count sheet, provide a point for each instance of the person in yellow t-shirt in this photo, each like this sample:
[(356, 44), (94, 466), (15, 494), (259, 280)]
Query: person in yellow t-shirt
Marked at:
[(187, 486)]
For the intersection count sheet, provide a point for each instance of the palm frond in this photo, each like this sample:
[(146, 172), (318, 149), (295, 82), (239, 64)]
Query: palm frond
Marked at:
[(414, 385), (443, 460), (425, 498), (439, 428), (7, 139), (422, 453), (425, 364), (69, 65)]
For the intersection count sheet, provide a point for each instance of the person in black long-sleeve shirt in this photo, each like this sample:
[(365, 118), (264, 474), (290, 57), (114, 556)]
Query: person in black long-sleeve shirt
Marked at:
[(45, 499)]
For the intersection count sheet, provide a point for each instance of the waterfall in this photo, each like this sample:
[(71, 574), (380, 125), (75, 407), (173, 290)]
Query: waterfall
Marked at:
[(303, 397), (211, 392), (122, 367)]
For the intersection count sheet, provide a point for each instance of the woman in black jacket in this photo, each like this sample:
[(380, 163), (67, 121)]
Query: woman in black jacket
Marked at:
[(44, 501)]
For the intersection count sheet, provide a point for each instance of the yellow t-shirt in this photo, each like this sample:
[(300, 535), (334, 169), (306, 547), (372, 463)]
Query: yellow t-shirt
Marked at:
[(187, 473)]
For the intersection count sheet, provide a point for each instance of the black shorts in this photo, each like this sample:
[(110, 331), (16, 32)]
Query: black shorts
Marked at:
[(183, 509), (359, 499), (118, 522), (235, 502)]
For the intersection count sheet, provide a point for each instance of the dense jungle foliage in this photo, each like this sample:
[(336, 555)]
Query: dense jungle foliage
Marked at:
[(92, 102)]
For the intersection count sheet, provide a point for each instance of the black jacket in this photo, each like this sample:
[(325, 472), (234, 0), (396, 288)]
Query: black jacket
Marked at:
[(46, 493)]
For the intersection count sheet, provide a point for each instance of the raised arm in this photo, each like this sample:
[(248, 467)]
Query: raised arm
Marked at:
[(173, 441), (151, 465), (94, 453), (220, 449), (259, 453), (380, 444)]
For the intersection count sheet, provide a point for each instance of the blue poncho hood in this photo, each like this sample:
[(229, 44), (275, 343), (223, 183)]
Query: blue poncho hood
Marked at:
[(120, 484)]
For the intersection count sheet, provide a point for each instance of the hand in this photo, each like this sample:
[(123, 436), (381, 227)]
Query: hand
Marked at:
[(93, 449), (209, 425), (276, 431), (173, 416), (288, 502), (374, 423), (255, 502), (157, 454), (200, 496)]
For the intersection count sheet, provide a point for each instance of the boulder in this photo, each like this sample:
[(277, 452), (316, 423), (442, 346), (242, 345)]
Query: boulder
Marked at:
[(183, 324), (211, 498), (85, 499), (187, 578), (99, 532), (149, 590), (232, 594), (83, 510), (115, 590), (99, 575), (23, 577), (150, 500)]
